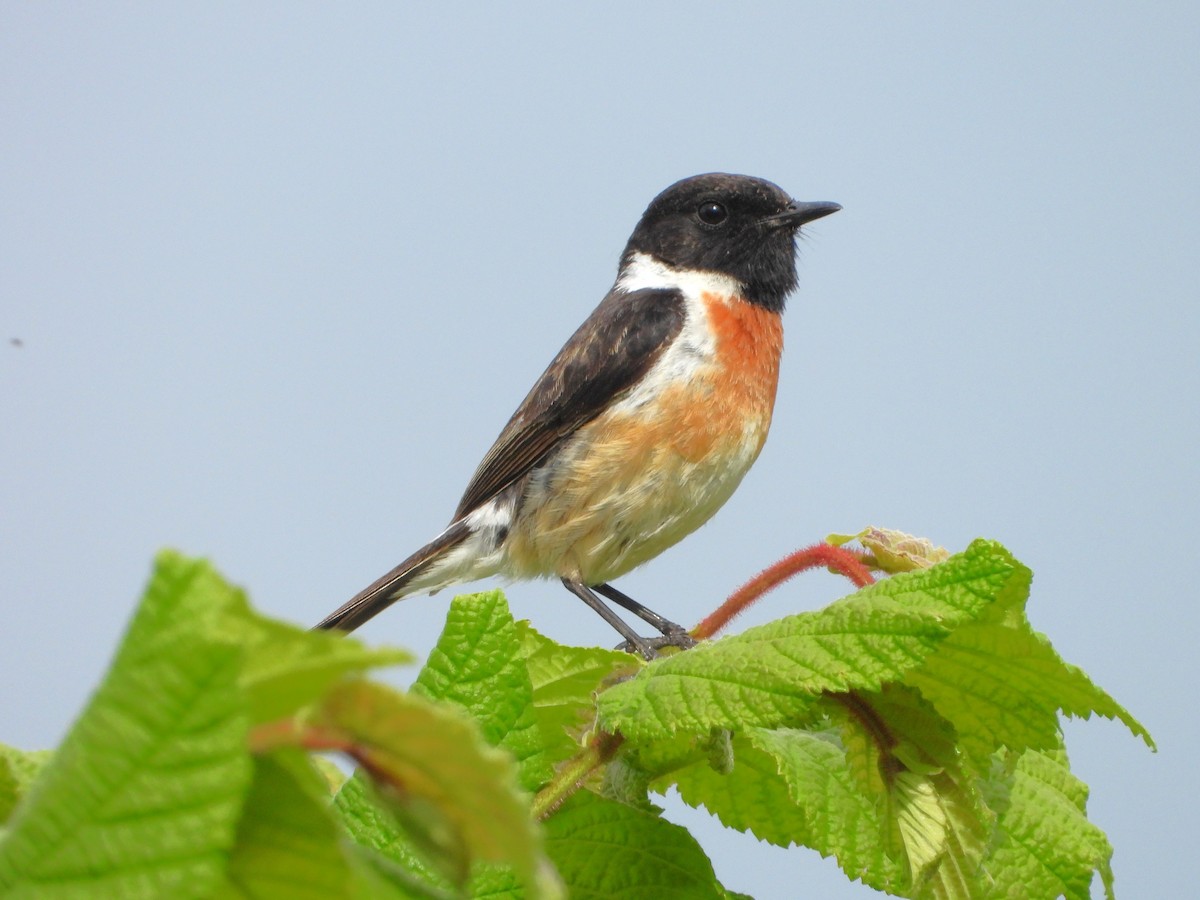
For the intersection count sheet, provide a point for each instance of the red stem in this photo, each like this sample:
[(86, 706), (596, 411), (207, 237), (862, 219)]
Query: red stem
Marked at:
[(841, 560)]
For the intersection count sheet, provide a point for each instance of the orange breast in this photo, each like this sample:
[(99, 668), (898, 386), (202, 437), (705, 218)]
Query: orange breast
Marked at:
[(728, 402), (749, 344), (633, 483)]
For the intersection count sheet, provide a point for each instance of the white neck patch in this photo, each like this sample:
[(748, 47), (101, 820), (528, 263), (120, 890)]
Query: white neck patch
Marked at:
[(644, 271)]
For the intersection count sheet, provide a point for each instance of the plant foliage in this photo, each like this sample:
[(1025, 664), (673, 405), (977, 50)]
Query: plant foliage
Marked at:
[(910, 730)]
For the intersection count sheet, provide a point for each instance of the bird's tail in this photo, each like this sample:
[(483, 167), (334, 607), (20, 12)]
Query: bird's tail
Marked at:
[(371, 601)]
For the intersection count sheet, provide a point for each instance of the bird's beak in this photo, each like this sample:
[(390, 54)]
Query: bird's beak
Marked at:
[(798, 213)]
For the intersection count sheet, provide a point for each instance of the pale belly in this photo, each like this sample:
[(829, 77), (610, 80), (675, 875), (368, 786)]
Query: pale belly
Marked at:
[(628, 487)]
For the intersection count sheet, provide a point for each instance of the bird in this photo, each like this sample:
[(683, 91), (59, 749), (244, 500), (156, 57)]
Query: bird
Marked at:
[(646, 420)]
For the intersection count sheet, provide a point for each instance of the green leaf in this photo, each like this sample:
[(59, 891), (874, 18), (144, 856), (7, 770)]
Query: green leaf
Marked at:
[(417, 856), (751, 797), (288, 667), (374, 827), (837, 818), (565, 681), (435, 764), (143, 797), (920, 833), (284, 667), (642, 766), (941, 829), (477, 665), (903, 753), (773, 674), (17, 771), (1045, 846), (287, 842), (1002, 685), (495, 882), (604, 849)]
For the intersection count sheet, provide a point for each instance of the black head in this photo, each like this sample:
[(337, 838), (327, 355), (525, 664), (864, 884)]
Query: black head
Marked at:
[(732, 224)]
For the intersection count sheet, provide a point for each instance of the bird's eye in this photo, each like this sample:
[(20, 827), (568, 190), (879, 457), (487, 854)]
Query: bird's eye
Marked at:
[(712, 213)]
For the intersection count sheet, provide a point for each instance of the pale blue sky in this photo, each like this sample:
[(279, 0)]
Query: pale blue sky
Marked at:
[(281, 273)]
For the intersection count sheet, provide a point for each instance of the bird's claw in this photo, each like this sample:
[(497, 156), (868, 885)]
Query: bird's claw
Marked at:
[(648, 648)]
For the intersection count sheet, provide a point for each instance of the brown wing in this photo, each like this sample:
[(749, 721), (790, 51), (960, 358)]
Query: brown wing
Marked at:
[(385, 591), (615, 347)]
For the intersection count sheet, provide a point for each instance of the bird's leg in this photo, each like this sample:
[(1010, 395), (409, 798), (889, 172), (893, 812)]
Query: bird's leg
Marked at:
[(676, 635), (632, 641)]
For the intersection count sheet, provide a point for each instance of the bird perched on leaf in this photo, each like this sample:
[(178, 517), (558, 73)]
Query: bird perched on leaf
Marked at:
[(644, 423)]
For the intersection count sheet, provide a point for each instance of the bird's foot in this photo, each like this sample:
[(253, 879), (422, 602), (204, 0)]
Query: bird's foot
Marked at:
[(648, 648)]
